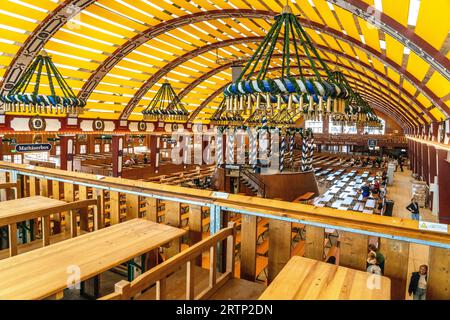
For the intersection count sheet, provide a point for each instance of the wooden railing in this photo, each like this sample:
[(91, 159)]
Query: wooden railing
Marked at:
[(393, 234), (125, 290)]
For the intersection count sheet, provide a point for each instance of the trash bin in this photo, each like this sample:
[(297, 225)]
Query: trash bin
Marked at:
[(389, 206)]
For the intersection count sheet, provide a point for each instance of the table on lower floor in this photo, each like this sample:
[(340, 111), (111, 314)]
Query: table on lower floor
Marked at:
[(307, 279), (47, 271)]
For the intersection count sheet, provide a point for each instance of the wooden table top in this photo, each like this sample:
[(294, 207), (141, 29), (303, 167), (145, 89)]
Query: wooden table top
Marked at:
[(307, 279), (17, 207), (43, 272)]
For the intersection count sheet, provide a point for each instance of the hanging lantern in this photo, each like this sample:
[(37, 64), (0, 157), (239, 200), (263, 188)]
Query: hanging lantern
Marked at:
[(42, 73), (223, 117), (166, 106), (280, 93)]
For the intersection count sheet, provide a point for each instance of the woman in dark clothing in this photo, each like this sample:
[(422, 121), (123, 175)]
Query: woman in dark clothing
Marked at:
[(413, 207), (418, 283)]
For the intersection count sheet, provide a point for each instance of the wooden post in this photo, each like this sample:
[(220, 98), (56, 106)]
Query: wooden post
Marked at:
[(279, 246), (43, 187), (56, 194), (353, 250), (173, 218), (190, 280), (152, 209), (34, 186), (248, 247), (45, 231), (84, 212), (438, 274), (12, 233), (73, 223), (69, 196), (314, 242), (195, 228), (396, 255), (132, 202), (114, 207), (212, 265)]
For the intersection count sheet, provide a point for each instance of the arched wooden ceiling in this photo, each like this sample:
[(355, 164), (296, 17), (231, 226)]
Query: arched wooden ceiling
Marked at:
[(116, 53)]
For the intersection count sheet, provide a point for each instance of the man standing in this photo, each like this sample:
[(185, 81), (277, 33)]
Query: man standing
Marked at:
[(413, 207), (418, 283)]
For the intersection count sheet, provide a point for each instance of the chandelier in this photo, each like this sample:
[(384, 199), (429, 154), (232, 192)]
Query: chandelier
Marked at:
[(222, 117), (165, 106), (27, 94), (357, 110), (291, 94)]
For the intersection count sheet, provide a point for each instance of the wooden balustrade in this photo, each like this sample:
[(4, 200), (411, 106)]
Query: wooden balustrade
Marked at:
[(125, 290), (354, 229)]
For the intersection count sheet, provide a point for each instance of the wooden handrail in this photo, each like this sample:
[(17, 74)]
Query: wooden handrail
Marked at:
[(125, 290), (391, 226)]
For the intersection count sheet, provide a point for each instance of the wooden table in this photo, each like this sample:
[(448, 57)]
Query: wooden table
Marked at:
[(43, 272), (307, 279)]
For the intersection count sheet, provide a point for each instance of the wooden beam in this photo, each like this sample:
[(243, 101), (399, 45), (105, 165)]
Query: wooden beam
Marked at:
[(195, 228), (353, 250), (279, 246), (12, 234), (396, 255), (84, 213), (114, 207), (56, 194), (438, 277), (173, 218), (152, 209), (314, 242), (69, 196), (132, 202), (249, 227)]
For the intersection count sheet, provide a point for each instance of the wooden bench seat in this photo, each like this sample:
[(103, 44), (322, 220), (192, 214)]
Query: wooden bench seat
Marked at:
[(298, 249), (36, 244)]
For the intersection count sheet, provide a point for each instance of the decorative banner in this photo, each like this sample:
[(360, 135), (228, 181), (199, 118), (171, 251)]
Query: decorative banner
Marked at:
[(39, 147)]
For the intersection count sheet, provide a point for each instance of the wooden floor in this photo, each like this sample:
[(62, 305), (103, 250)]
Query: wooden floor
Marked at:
[(400, 192)]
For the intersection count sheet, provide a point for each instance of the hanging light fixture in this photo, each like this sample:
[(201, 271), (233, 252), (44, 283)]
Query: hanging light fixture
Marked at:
[(166, 106), (296, 93), (222, 117), (28, 99), (357, 111)]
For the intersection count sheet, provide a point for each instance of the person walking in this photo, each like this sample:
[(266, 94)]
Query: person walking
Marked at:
[(413, 207), (400, 163), (378, 255), (418, 283)]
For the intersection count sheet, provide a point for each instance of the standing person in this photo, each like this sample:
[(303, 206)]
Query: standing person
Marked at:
[(365, 190), (379, 256), (418, 283), (400, 162), (413, 207), (145, 158)]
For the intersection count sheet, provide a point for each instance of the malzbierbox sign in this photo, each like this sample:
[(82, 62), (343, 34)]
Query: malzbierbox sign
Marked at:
[(37, 147)]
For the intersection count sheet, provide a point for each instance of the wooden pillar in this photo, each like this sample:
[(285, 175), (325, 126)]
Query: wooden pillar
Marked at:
[(132, 202), (195, 227), (69, 196), (314, 242), (117, 154), (248, 247), (114, 207), (173, 218), (279, 246), (66, 143), (438, 274), (353, 250), (396, 254), (154, 152), (43, 187), (152, 209), (56, 194), (425, 163), (432, 160), (33, 186), (443, 170), (84, 213)]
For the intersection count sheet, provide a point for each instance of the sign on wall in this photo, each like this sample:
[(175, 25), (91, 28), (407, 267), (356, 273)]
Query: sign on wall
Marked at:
[(372, 143), (37, 147)]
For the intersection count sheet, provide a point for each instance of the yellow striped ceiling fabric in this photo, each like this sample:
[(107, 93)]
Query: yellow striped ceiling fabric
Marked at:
[(91, 37)]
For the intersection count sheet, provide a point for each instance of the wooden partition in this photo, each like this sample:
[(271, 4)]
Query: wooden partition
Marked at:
[(122, 199), (138, 288)]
